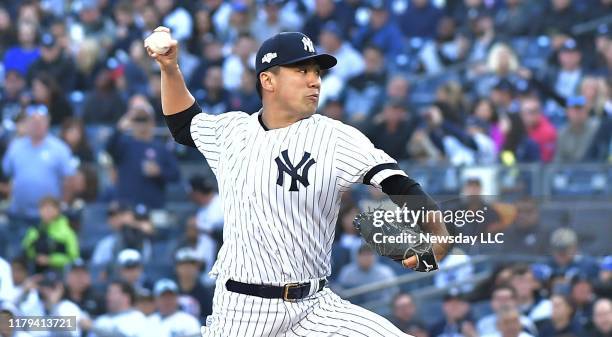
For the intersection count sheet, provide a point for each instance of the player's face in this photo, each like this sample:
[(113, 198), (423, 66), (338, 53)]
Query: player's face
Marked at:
[(298, 87)]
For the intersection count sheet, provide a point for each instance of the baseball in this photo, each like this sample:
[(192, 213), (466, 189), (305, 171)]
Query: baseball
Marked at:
[(159, 42)]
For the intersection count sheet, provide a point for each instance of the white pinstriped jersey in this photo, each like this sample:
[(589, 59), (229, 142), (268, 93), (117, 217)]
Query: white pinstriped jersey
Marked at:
[(281, 191)]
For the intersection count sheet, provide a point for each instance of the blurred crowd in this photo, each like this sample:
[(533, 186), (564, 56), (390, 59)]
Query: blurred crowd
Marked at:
[(461, 83)]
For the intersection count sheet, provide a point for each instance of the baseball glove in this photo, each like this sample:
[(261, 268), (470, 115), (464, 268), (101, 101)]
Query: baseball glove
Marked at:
[(397, 241)]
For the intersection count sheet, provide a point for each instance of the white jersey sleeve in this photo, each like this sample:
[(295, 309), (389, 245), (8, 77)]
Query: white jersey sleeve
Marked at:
[(358, 161), (211, 134)]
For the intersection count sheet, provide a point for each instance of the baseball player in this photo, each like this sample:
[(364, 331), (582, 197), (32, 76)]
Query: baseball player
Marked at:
[(281, 173)]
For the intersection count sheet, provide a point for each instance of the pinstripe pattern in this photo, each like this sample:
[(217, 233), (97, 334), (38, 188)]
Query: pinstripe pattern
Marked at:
[(275, 236)]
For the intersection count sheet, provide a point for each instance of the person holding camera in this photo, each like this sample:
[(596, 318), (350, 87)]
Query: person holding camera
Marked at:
[(144, 165)]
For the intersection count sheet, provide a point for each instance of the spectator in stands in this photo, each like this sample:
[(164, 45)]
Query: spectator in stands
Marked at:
[(582, 298), (8, 33), (46, 91), (55, 62), (605, 54), (457, 320), (404, 312), (11, 95), (603, 284), (79, 289), (367, 270), (92, 24), (485, 110), (482, 27), (526, 235), (19, 273), (594, 90), (363, 91), (472, 199), (448, 48), (530, 303), (6, 281), (349, 238), (38, 165), (188, 264), (599, 149), (131, 269), (126, 28), (126, 234), (350, 61), (514, 19), (202, 191), (566, 260), (561, 321), (143, 164), (104, 104), (325, 11), (559, 18), (451, 94), (135, 72), (88, 64), (245, 98), (52, 303), (397, 89), (509, 325), (238, 61), (602, 318), (566, 79), (21, 56), (8, 314), (73, 134), (334, 109), (122, 318), (175, 17), (420, 19), (517, 146), (381, 31), (52, 244), (539, 127), (145, 302), (214, 98), (503, 299), (575, 137), (393, 129), (272, 23), (503, 97), (171, 320), (211, 56)]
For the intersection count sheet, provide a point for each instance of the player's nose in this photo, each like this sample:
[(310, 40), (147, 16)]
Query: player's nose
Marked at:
[(314, 80)]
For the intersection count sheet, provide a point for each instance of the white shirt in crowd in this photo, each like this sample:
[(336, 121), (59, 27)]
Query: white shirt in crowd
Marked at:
[(179, 324), (129, 323)]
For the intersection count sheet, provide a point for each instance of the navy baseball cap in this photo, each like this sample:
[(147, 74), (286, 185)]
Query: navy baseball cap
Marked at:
[(289, 48)]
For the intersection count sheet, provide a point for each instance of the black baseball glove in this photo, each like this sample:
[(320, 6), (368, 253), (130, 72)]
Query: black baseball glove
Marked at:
[(397, 241)]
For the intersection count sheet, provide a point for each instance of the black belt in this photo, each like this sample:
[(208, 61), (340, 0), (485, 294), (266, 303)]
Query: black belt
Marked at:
[(289, 292)]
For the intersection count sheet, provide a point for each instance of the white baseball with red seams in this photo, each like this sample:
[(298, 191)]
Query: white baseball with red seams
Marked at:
[(159, 42)]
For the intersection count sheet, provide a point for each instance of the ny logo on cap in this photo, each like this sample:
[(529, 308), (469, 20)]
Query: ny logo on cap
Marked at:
[(268, 57), (308, 46)]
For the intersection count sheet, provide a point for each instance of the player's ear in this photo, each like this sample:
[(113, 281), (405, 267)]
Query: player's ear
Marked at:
[(267, 80)]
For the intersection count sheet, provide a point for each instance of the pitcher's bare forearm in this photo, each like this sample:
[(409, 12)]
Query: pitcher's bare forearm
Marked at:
[(174, 94)]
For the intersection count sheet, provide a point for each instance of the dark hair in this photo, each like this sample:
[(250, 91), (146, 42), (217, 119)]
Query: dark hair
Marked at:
[(126, 288), (495, 115), (51, 83), (517, 133), (504, 287), (78, 123)]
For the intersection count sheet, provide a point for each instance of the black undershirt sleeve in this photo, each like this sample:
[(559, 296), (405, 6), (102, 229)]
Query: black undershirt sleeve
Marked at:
[(404, 191), (180, 124)]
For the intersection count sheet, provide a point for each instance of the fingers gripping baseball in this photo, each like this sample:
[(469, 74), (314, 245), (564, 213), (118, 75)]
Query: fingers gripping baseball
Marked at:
[(161, 47)]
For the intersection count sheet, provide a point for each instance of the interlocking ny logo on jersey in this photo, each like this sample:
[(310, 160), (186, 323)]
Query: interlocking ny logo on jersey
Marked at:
[(285, 166), (308, 46)]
